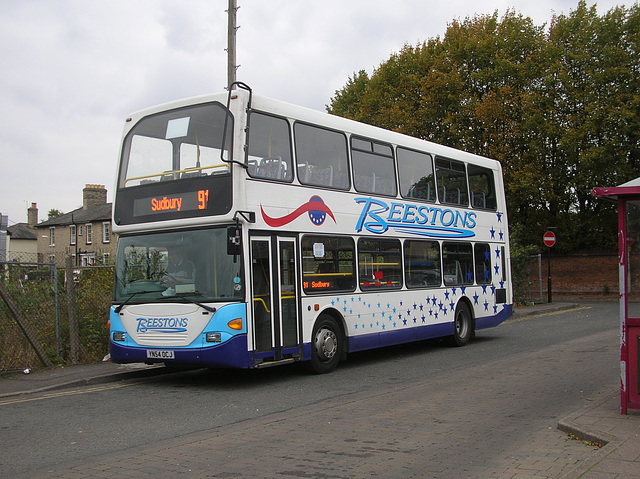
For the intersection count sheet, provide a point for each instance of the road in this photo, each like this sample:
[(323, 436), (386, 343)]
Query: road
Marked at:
[(489, 409)]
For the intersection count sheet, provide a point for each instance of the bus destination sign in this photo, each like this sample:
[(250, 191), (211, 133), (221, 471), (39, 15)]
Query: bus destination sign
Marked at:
[(189, 201)]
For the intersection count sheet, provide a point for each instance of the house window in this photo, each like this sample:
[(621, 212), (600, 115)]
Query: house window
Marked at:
[(72, 234), (79, 230), (106, 232), (52, 236), (89, 235), (88, 259), (106, 257)]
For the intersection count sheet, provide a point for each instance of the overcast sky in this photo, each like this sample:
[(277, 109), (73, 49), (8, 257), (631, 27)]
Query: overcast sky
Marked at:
[(73, 69)]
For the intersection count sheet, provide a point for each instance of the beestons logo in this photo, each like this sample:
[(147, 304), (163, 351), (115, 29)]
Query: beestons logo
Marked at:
[(315, 207), (429, 221), (162, 325)]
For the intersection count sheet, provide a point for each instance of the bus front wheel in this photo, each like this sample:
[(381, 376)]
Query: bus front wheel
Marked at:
[(463, 326), (326, 345)]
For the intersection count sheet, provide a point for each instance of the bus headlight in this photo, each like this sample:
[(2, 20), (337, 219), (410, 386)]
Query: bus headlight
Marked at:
[(214, 337), (118, 337)]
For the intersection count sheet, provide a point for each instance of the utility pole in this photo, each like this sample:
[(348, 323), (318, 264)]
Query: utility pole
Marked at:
[(231, 43)]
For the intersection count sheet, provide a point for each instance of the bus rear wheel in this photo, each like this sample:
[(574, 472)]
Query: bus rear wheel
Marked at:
[(327, 344), (463, 326)]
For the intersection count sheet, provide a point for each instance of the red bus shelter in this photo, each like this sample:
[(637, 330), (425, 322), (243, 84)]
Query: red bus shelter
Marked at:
[(628, 199)]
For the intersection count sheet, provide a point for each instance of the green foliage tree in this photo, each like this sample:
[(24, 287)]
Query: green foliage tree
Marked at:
[(558, 106), (54, 213)]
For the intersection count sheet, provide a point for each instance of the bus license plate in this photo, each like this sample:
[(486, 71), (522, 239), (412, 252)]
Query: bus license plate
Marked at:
[(157, 354)]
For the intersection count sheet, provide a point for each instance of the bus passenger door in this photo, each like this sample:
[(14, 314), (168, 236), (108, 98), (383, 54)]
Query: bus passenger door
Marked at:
[(274, 299)]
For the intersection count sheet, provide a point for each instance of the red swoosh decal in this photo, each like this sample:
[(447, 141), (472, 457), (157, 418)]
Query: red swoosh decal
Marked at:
[(309, 206)]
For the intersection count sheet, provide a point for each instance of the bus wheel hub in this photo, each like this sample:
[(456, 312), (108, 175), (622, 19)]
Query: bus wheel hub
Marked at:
[(326, 344)]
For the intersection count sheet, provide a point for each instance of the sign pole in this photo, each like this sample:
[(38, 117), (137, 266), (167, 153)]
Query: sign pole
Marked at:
[(549, 239), (549, 277)]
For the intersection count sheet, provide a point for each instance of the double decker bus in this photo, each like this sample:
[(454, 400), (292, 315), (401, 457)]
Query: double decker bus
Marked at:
[(255, 233)]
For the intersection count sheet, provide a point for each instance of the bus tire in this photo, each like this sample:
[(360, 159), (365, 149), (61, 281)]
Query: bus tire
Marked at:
[(327, 344), (462, 325)]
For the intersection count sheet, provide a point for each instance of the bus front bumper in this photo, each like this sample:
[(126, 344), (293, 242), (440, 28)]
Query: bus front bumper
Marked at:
[(230, 354)]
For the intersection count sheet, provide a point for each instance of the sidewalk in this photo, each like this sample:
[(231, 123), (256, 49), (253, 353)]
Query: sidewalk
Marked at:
[(17, 383), (600, 422)]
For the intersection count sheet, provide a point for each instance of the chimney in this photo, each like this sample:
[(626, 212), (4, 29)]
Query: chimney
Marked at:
[(32, 215), (93, 195)]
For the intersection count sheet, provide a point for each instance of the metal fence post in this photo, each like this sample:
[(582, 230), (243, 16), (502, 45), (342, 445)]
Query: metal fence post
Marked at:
[(74, 339), (56, 300)]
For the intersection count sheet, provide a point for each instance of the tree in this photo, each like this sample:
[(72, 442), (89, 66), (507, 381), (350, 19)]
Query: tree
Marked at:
[(558, 107), (54, 213)]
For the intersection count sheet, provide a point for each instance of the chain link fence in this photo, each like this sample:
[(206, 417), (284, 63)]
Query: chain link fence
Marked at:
[(51, 316)]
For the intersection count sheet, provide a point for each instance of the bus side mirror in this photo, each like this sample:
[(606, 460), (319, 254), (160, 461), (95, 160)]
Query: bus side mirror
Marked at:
[(234, 240)]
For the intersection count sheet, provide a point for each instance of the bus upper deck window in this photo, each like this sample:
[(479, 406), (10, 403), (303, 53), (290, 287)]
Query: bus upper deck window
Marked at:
[(482, 186), (269, 152)]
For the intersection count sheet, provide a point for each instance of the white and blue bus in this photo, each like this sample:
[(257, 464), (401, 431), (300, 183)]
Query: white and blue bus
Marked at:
[(255, 233)]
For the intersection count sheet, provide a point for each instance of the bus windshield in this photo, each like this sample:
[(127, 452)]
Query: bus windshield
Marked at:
[(177, 266), (181, 143)]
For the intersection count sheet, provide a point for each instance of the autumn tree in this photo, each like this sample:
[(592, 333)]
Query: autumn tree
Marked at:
[(557, 106)]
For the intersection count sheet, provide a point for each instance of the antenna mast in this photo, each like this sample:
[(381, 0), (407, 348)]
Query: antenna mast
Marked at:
[(231, 42)]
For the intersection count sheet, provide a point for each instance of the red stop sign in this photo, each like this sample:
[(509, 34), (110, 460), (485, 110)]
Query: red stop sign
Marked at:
[(549, 238)]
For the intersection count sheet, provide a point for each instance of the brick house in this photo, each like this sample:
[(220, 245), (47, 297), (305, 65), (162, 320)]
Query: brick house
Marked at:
[(84, 233)]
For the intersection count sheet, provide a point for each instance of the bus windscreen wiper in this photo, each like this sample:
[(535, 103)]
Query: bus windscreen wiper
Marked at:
[(203, 306)]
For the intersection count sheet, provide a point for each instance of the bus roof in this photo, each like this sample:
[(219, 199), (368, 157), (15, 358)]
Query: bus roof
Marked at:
[(327, 120)]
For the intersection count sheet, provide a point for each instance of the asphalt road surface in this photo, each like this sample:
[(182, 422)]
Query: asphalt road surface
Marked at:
[(489, 409)]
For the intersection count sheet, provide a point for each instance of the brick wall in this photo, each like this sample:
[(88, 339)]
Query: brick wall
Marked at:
[(594, 275)]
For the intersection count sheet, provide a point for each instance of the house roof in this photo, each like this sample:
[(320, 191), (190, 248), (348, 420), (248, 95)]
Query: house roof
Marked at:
[(21, 231), (80, 216)]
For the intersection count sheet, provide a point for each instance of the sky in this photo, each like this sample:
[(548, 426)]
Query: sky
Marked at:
[(72, 70)]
